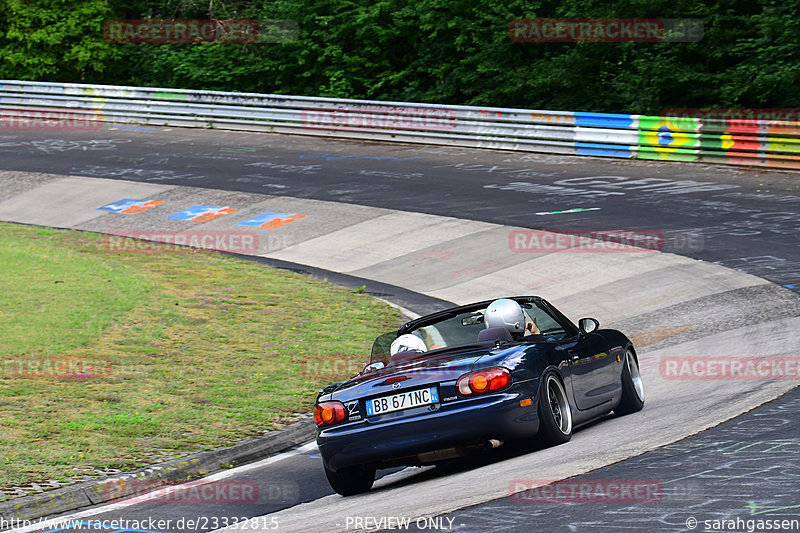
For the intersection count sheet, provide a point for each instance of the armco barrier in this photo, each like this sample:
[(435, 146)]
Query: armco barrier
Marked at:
[(767, 143)]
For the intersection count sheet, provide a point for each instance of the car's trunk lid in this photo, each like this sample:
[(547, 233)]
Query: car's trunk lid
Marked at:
[(411, 373)]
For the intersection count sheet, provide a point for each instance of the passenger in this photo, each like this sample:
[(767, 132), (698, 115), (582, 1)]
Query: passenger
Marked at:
[(406, 348), (408, 343)]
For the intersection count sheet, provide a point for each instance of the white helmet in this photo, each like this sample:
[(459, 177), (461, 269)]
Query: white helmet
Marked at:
[(505, 313), (408, 343)]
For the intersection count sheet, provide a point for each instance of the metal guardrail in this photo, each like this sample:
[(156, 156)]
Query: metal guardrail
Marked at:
[(767, 143)]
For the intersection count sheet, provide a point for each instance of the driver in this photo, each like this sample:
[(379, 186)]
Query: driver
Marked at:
[(506, 313)]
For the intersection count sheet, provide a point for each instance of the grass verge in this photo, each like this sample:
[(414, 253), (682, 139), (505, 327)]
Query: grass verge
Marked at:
[(111, 360)]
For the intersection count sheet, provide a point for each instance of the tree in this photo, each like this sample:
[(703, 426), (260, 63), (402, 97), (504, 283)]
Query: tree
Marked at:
[(55, 40)]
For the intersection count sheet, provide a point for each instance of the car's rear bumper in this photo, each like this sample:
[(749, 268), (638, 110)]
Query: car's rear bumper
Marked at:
[(452, 425)]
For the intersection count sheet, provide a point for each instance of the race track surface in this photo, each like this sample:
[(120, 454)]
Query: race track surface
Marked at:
[(712, 210), (441, 221)]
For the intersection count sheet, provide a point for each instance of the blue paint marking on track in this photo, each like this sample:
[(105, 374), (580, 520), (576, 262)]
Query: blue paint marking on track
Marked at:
[(121, 205), (264, 218), (201, 213), (194, 212), (271, 220)]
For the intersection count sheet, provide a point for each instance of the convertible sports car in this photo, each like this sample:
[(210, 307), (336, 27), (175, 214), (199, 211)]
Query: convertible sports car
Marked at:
[(470, 378)]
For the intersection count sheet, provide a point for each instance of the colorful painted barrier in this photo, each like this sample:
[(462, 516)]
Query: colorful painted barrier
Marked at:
[(708, 138)]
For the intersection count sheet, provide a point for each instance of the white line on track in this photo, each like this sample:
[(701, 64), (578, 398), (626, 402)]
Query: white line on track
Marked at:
[(94, 511)]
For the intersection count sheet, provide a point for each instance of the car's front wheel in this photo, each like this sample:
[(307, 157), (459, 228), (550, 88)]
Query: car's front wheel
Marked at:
[(555, 414), (632, 386), (352, 480)]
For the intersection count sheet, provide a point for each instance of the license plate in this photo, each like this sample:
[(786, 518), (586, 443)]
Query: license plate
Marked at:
[(403, 400)]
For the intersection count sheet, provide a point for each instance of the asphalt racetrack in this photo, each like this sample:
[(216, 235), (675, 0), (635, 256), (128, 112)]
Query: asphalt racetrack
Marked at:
[(746, 219), (743, 219)]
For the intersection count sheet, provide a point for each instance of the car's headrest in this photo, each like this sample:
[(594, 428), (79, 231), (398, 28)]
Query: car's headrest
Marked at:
[(495, 334), (405, 355)]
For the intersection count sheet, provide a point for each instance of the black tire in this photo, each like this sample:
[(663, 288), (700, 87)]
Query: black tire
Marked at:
[(632, 399), (555, 414), (352, 480)]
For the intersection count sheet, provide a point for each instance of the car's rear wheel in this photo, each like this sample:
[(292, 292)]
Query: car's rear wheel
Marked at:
[(352, 480), (555, 414), (632, 386)]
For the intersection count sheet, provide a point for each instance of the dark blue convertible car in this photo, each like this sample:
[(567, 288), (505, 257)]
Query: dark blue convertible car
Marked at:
[(471, 378)]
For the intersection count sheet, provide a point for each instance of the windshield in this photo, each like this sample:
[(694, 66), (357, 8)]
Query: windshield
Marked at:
[(464, 328)]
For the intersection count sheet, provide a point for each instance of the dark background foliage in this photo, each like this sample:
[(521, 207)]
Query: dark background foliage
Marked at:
[(444, 51)]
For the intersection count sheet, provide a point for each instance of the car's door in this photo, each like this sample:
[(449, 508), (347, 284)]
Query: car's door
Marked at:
[(590, 368), (590, 365)]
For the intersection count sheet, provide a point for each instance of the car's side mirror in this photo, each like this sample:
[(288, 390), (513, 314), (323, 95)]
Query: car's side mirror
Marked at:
[(372, 367), (588, 325)]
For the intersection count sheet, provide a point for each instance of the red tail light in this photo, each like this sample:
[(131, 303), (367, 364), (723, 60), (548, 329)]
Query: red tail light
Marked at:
[(483, 381), (329, 413)]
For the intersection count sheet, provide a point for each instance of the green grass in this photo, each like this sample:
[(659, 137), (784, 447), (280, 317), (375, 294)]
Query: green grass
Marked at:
[(194, 350)]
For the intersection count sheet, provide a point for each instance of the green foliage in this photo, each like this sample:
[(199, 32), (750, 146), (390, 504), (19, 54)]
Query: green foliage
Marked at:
[(55, 40), (447, 51)]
